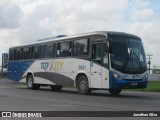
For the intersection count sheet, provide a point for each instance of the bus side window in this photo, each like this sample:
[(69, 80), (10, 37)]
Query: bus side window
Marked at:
[(65, 49), (54, 49), (11, 54), (49, 50), (97, 52), (31, 52), (37, 51), (106, 55), (81, 47), (25, 53), (18, 54), (21, 53)]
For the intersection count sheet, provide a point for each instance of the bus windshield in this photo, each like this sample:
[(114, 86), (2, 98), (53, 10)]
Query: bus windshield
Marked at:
[(127, 55)]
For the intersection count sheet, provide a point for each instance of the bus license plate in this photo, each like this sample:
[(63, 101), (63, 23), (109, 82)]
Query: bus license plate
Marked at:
[(134, 84)]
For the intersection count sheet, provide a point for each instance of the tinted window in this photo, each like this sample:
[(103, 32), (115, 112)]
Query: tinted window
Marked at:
[(127, 54), (81, 47), (37, 51), (31, 52), (11, 54), (97, 52), (18, 54), (25, 53), (49, 50), (64, 49), (105, 55)]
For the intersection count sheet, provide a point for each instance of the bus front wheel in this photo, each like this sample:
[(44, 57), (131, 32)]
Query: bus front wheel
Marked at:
[(30, 83), (82, 85), (115, 91)]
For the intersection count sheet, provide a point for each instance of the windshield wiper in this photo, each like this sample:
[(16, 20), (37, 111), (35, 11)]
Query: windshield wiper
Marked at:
[(138, 61), (130, 56)]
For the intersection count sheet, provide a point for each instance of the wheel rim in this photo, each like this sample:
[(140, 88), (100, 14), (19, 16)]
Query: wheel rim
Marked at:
[(30, 82), (83, 85)]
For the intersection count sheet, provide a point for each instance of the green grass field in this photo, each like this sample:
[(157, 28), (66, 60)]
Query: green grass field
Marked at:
[(153, 86)]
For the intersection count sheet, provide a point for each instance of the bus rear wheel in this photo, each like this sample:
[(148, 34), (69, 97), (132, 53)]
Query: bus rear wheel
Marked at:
[(56, 87), (30, 83), (82, 85), (115, 91)]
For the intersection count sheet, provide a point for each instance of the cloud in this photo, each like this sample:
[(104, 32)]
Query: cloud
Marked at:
[(141, 11), (139, 4), (8, 38), (142, 14), (50, 18), (150, 35), (10, 16), (25, 21), (74, 17)]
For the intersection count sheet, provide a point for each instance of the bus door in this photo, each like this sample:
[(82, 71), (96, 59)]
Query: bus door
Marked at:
[(105, 64), (95, 65)]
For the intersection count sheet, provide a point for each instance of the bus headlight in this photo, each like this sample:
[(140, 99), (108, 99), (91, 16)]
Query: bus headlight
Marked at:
[(117, 76)]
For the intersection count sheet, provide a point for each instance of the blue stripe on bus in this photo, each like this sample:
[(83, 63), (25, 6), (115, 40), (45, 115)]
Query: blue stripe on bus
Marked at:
[(16, 69)]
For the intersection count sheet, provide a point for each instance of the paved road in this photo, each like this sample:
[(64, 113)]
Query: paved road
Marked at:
[(16, 97)]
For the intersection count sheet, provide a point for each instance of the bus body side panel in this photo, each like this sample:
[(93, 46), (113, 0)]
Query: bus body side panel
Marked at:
[(99, 76), (105, 78), (64, 72), (16, 69), (58, 71), (71, 67), (38, 70)]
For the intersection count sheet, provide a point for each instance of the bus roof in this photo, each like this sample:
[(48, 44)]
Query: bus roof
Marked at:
[(64, 37)]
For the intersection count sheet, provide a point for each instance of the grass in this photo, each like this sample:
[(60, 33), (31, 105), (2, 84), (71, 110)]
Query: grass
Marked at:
[(152, 86)]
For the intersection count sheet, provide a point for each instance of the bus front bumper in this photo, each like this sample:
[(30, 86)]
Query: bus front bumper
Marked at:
[(119, 83)]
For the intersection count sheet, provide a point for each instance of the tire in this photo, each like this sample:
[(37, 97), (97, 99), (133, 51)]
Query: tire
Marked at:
[(82, 85), (115, 91), (30, 83), (56, 87)]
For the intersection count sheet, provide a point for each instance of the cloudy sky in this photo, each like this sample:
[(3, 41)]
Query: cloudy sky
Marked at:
[(25, 21)]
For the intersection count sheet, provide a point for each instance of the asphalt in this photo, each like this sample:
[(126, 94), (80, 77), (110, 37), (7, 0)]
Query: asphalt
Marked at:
[(17, 97)]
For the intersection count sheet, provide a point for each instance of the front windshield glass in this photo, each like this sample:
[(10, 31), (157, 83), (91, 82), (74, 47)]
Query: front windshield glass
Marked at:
[(127, 54)]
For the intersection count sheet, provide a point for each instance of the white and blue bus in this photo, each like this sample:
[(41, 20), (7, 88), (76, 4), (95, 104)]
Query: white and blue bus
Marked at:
[(90, 61)]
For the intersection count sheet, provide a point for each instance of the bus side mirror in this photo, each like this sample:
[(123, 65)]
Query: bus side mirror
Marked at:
[(129, 52), (58, 53)]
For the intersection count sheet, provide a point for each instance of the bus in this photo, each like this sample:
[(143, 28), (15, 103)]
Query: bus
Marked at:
[(101, 60)]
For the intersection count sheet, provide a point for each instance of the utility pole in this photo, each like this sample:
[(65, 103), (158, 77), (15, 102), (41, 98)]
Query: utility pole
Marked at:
[(149, 61), (2, 69)]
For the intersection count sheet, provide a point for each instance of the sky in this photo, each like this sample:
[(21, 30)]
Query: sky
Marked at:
[(26, 21)]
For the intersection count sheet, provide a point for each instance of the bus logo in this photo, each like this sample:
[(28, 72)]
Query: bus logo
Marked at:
[(44, 65), (56, 66)]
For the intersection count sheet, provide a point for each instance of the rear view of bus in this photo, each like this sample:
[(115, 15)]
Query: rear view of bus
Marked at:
[(128, 63)]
